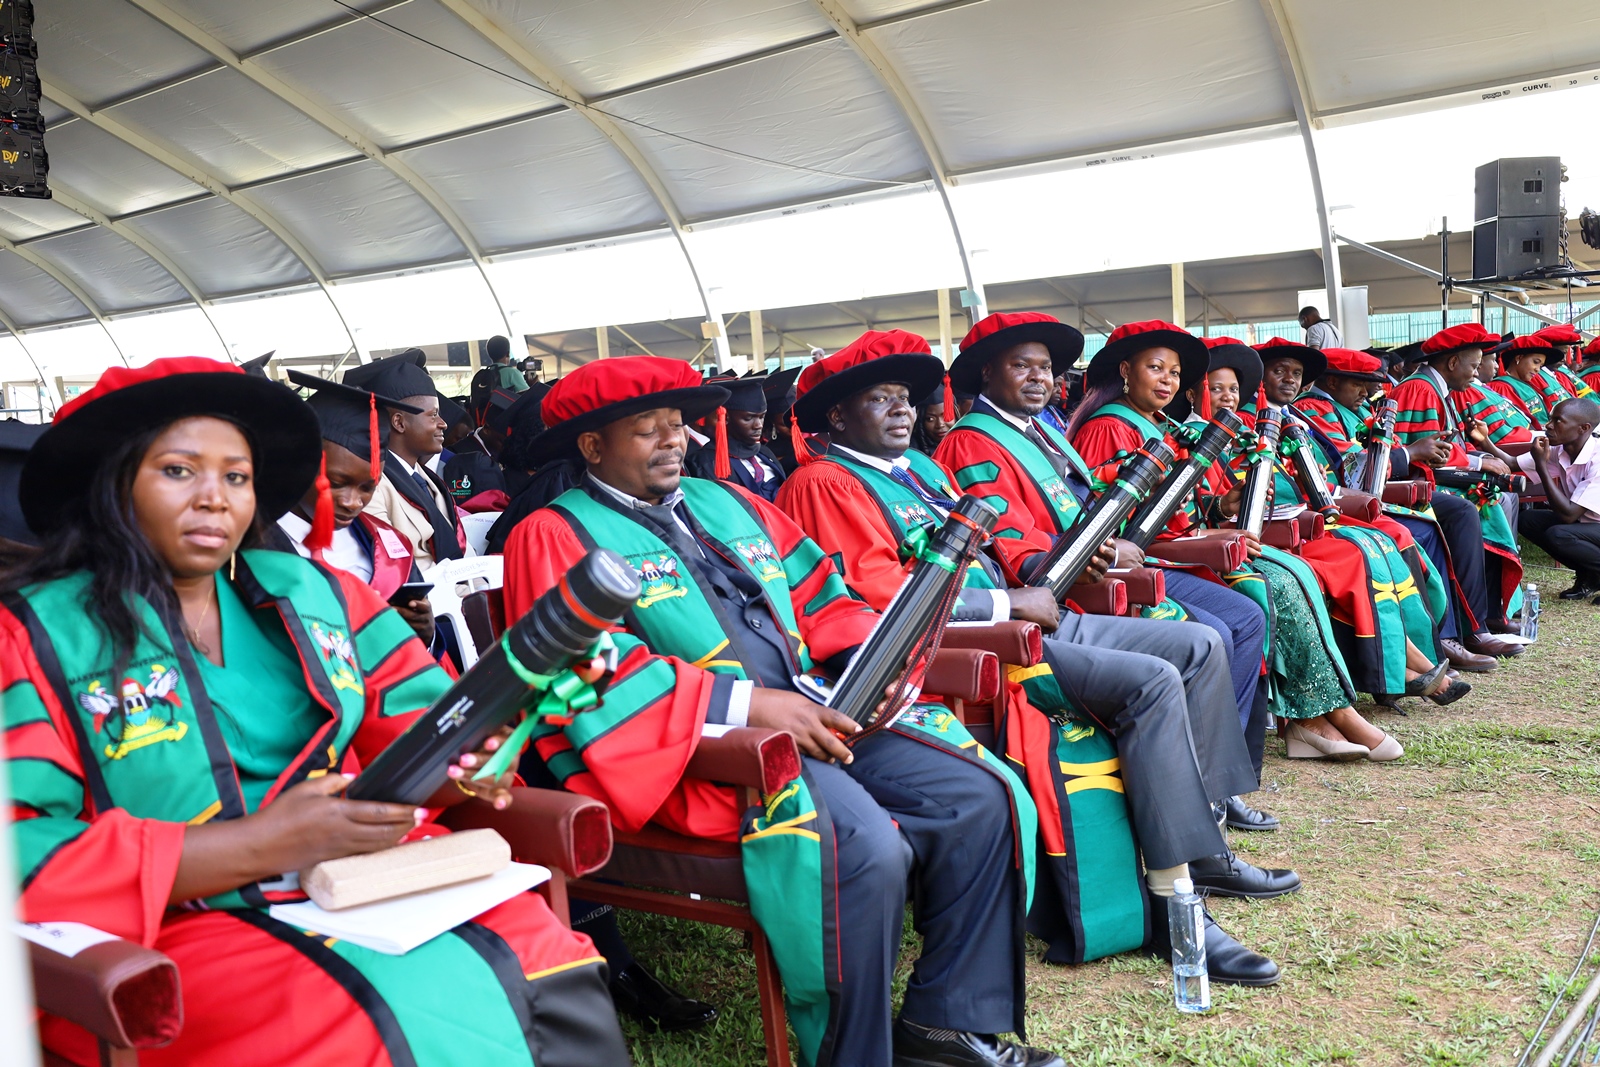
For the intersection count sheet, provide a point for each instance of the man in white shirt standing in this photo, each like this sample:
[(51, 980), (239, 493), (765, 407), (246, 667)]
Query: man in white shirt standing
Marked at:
[(1320, 333), (1567, 461)]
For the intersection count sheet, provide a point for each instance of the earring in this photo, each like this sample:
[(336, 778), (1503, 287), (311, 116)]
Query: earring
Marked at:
[(233, 562), (1124, 387)]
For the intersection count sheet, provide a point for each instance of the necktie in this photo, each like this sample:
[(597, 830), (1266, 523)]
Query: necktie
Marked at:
[(1052, 455), (424, 485), (665, 522), (933, 500)]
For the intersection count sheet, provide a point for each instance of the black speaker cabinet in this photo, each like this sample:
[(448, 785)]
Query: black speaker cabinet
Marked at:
[(1509, 246)]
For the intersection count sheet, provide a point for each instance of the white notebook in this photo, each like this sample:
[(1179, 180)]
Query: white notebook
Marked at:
[(395, 927)]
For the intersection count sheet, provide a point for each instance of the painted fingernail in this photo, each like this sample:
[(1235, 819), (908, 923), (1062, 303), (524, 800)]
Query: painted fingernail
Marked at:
[(491, 744), (502, 803), (420, 814), (453, 772), (348, 777)]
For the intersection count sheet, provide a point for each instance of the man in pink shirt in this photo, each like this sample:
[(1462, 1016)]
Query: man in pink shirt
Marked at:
[(1567, 461)]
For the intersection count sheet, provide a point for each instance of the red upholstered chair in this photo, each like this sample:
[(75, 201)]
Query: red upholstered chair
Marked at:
[(1012, 644), (124, 994)]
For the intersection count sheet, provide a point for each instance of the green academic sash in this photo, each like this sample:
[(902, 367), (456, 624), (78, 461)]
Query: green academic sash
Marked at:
[(1045, 480), (148, 737)]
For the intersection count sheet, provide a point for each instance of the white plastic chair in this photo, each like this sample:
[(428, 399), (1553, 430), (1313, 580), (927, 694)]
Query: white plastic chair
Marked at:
[(454, 579)]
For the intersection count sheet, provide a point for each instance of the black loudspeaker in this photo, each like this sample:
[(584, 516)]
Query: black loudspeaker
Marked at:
[(1524, 186), (23, 162), (1519, 225), (1507, 247)]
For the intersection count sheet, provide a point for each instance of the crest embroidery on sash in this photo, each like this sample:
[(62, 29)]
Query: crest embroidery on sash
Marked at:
[(141, 715), (762, 557), (340, 657), (658, 577)]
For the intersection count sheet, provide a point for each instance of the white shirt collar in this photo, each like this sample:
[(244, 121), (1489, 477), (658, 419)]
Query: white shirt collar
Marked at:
[(1589, 453), (628, 500), (297, 528), (874, 462), (411, 468), (1020, 422)]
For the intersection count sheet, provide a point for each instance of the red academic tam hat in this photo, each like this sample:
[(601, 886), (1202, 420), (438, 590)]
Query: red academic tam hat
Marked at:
[(131, 400), (1313, 362), (605, 390), (1454, 339), (1538, 343), (875, 357), (1562, 334), (1004, 329), (1131, 338), (1348, 363), (1592, 348)]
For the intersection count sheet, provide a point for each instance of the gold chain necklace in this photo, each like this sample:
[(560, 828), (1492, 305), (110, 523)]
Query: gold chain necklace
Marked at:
[(193, 632)]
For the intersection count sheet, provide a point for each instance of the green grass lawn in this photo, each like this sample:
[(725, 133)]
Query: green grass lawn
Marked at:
[(1446, 896)]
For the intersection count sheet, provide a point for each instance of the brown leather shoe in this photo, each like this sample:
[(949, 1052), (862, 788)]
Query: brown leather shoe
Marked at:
[(1490, 645), (1463, 660), (1504, 626)]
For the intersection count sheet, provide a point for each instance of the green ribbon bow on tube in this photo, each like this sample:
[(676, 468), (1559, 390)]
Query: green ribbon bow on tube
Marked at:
[(916, 545), (560, 696)]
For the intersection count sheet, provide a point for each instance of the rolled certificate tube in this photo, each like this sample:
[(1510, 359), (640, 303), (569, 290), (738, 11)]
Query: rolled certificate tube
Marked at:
[(1308, 472), (557, 631), (1159, 507), (1376, 474), (1066, 560), (899, 643), (1258, 479)]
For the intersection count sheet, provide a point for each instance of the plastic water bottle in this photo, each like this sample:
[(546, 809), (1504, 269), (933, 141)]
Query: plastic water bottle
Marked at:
[(1191, 985), (1530, 611)]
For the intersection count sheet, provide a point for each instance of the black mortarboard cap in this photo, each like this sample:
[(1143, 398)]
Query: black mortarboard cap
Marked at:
[(393, 376), (778, 387), (16, 438), (747, 395), (258, 366), (345, 412)]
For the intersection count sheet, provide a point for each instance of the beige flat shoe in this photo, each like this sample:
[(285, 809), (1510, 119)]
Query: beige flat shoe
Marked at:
[(1301, 743), (1389, 749)]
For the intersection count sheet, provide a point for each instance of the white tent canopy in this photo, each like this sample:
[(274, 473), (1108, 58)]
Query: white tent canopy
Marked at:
[(285, 170)]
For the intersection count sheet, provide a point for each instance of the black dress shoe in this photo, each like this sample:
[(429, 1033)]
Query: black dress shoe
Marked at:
[(921, 1046), (1422, 683), (1229, 876), (641, 995), (1242, 816), (1586, 585), (1227, 961), (1464, 660)]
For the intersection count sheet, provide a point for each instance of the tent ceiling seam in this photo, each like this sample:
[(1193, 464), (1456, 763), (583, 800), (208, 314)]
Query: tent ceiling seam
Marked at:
[(71, 286), (541, 72), (883, 70), (200, 176), (294, 98), (69, 200)]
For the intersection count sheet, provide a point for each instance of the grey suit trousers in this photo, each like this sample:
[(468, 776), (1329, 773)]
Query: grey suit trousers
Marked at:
[(1163, 691)]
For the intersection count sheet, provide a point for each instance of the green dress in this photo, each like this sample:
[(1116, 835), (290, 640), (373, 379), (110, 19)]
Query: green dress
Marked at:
[(1305, 680)]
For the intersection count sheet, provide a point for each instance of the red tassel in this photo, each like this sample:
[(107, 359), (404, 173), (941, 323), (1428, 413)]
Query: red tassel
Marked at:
[(1205, 398), (1261, 398), (321, 535), (949, 401), (372, 435), (724, 465), (802, 451)]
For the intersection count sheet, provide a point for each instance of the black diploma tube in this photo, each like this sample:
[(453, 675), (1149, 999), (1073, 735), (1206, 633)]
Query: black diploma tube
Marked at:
[(1138, 475), (1258, 479), (1381, 439), (1456, 478), (907, 633), (1153, 514), (561, 626), (1308, 470)]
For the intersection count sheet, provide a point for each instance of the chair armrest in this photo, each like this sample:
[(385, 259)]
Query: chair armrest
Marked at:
[(121, 992), (1516, 448), (750, 756), (969, 674), (555, 829), (1107, 597), (1410, 493), (1312, 525), (1146, 586), (1221, 554), (1283, 534), (1016, 643), (1358, 505)]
